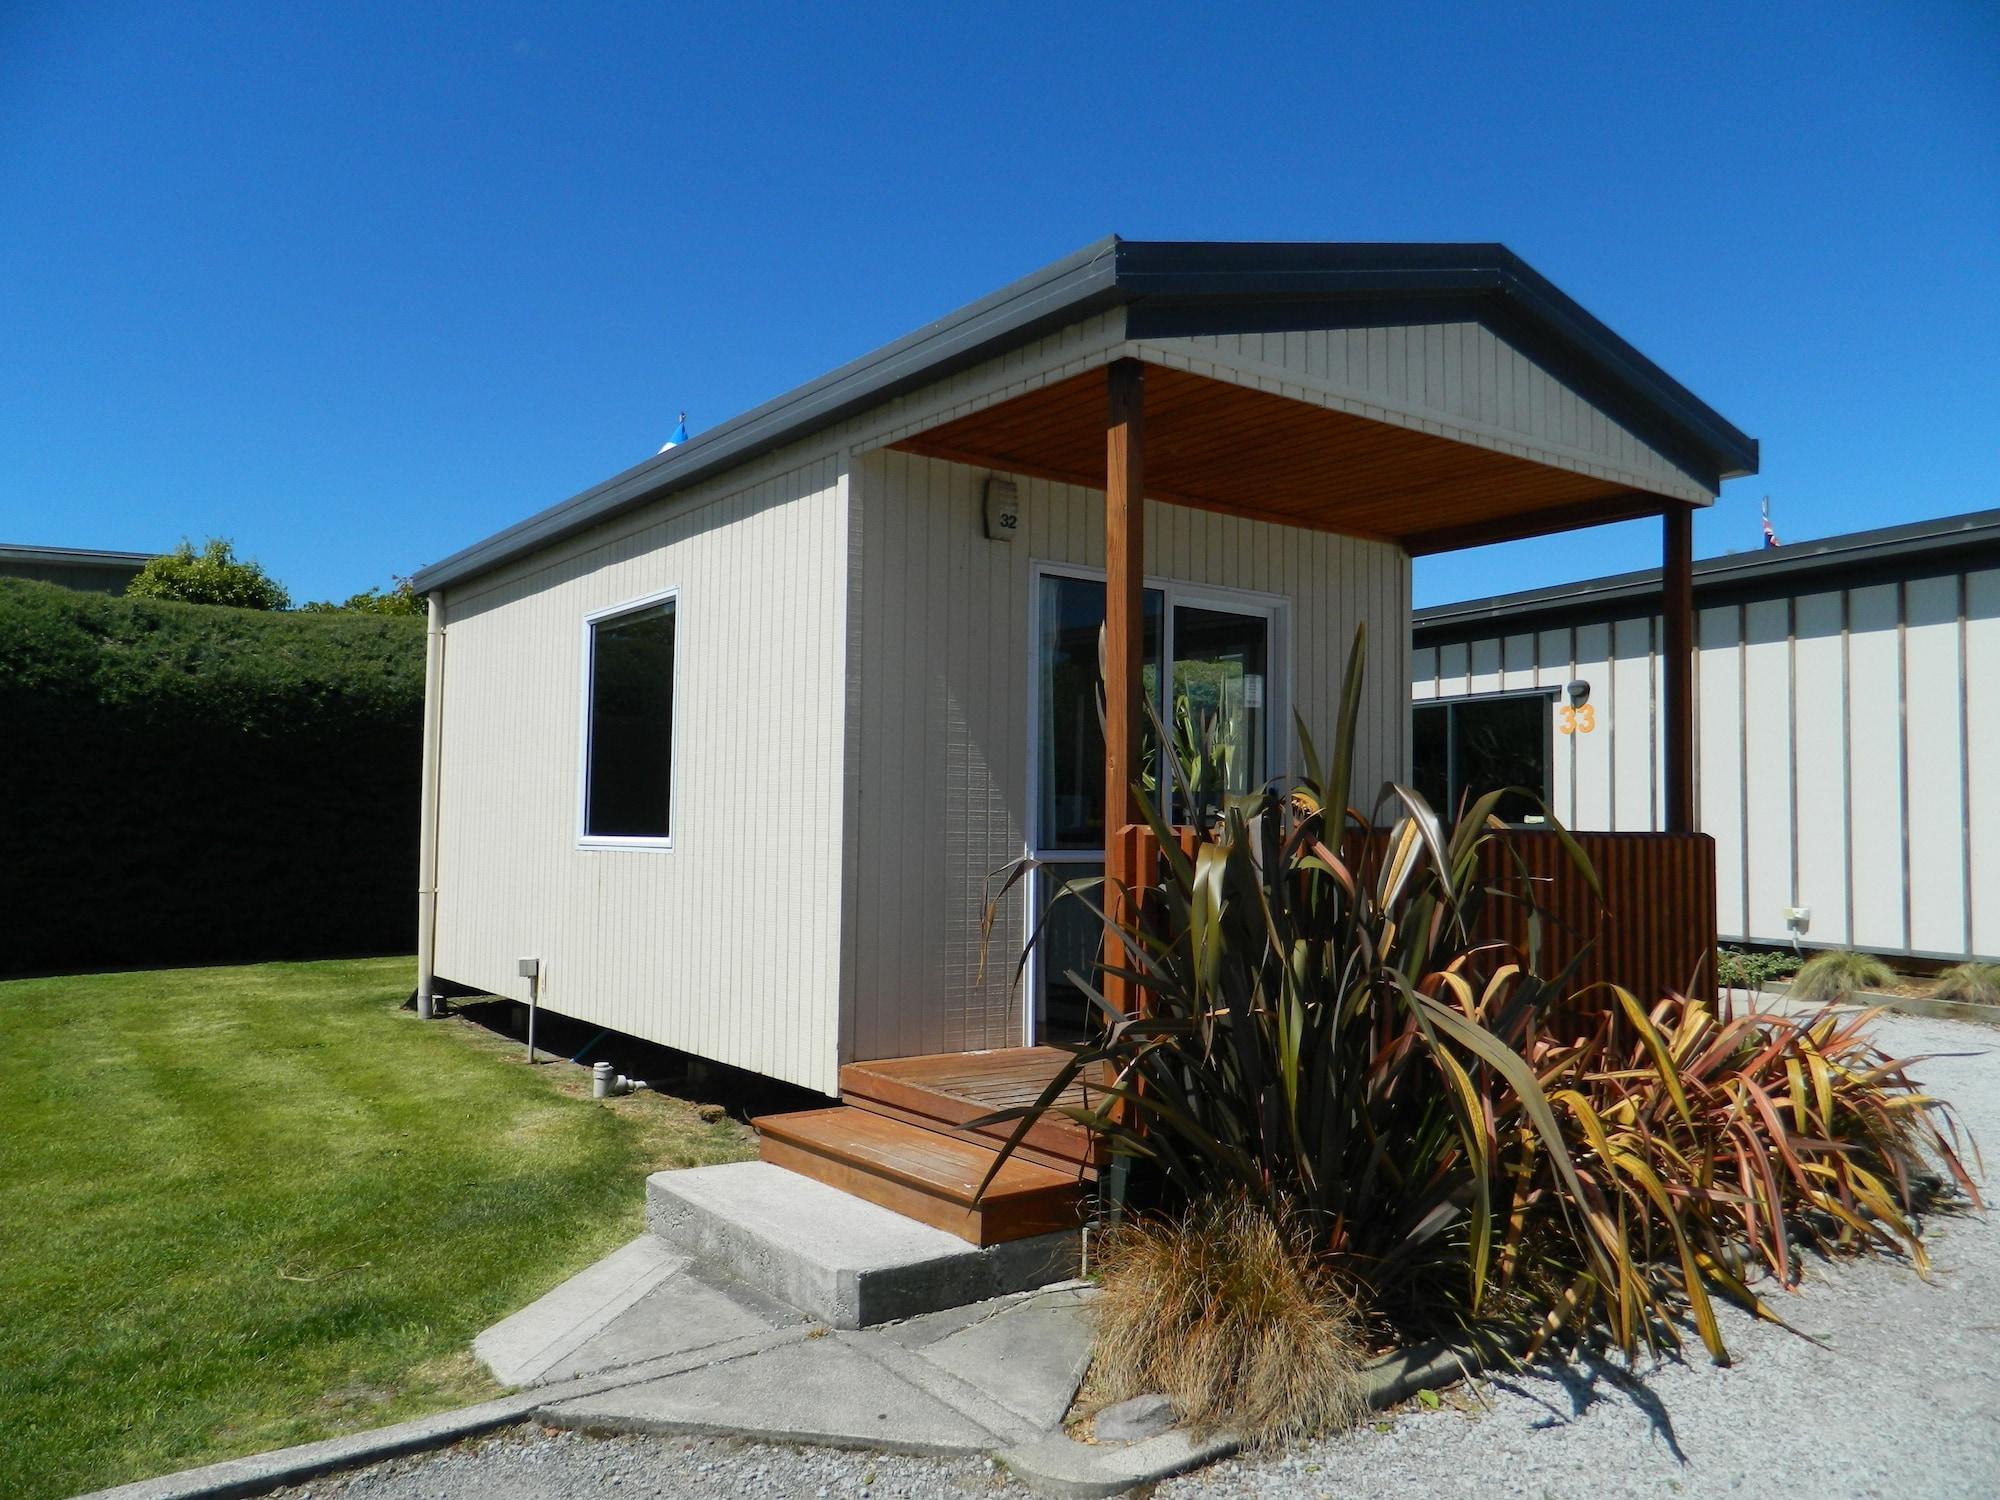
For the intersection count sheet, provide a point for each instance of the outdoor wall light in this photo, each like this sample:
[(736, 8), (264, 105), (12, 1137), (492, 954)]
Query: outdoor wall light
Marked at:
[(1578, 693)]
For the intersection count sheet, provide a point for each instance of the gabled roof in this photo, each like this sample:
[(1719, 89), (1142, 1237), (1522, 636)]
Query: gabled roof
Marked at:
[(1175, 289), (1914, 549)]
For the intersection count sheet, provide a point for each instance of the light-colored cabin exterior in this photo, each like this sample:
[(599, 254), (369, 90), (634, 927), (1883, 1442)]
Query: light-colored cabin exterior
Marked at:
[(1844, 689), (855, 699)]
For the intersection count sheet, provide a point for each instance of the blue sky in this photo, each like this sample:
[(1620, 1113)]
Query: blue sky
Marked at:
[(358, 285)]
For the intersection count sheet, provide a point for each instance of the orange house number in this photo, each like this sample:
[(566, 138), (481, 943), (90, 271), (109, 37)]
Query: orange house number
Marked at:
[(1576, 720)]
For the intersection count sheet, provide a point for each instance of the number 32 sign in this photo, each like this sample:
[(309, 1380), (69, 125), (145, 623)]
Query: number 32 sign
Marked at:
[(1575, 720)]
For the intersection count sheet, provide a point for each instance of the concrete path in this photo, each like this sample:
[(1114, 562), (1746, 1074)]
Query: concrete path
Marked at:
[(721, 1357)]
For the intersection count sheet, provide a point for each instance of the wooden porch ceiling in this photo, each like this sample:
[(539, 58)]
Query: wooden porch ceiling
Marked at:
[(1220, 446)]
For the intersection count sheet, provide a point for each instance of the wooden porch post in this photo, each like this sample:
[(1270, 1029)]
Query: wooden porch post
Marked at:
[(1677, 664), (1124, 608)]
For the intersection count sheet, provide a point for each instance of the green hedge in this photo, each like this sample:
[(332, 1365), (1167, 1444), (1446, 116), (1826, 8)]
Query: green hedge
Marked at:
[(182, 783)]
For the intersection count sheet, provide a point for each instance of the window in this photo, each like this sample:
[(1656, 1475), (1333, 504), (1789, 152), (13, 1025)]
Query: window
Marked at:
[(629, 725), (1463, 748)]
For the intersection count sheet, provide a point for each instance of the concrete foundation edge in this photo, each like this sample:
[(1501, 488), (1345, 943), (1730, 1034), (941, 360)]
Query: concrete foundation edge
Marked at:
[(848, 1297)]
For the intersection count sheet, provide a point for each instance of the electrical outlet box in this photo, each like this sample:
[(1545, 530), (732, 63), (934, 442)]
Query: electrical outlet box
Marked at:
[(528, 968), (1798, 918)]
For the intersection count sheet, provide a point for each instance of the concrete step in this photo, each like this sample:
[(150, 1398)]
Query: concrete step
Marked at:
[(930, 1175), (845, 1261)]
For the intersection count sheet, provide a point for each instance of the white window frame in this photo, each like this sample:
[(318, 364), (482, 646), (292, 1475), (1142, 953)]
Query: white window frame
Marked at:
[(1276, 610), (585, 839)]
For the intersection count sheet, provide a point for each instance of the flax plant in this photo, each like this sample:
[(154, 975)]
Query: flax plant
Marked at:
[(1455, 1133)]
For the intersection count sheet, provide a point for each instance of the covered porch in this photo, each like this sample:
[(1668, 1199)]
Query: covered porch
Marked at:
[(1140, 430)]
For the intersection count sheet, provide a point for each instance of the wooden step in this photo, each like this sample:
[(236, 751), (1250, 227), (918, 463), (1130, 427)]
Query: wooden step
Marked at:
[(923, 1174), (946, 1091)]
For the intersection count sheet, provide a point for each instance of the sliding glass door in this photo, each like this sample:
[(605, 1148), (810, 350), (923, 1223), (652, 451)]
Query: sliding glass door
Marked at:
[(1221, 648)]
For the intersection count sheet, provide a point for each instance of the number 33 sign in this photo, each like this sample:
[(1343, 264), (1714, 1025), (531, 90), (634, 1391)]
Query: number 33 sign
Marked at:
[(1576, 720)]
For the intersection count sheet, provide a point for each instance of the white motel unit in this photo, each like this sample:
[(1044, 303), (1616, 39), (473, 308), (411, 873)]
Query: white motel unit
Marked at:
[(1847, 727), (733, 744)]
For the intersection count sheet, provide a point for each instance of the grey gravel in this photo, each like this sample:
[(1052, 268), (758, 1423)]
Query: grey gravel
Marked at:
[(1901, 1399)]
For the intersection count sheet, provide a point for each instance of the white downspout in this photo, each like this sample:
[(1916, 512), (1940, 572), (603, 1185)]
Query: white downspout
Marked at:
[(427, 840)]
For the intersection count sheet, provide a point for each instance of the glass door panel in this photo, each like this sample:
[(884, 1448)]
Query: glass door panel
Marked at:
[(1221, 671), (1069, 810), (1222, 663)]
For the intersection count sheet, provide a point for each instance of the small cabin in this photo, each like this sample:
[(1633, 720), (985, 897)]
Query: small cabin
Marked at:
[(734, 743)]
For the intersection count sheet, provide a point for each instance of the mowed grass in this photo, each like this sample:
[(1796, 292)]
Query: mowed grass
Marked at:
[(247, 1207)]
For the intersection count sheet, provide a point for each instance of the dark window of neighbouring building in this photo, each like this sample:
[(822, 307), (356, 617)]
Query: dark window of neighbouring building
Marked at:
[(1463, 748)]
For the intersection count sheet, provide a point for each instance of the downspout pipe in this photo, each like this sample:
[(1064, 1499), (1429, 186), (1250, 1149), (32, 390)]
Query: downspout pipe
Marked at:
[(427, 839)]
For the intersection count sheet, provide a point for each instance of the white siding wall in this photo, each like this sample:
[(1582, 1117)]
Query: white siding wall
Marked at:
[(1843, 753), (1875, 749), (1819, 667), (727, 945), (942, 702), (1982, 723)]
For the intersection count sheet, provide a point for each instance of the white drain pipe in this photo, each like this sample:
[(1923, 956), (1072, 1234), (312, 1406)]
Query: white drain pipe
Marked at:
[(427, 838), (606, 1084)]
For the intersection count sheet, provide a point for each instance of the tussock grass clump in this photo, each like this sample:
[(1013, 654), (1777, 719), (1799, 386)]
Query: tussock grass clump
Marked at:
[(1972, 984), (1227, 1312), (1833, 976)]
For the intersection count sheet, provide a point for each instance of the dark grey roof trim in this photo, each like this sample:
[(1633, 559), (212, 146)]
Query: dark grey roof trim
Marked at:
[(1904, 549), (56, 557), (1173, 287)]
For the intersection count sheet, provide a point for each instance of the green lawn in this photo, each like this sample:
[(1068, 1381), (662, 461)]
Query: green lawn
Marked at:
[(247, 1207)]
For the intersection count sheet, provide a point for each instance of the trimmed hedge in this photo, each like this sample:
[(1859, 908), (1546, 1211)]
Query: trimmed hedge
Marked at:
[(185, 783)]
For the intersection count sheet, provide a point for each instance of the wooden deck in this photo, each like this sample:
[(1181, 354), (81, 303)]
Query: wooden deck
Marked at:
[(900, 1139), (950, 1089)]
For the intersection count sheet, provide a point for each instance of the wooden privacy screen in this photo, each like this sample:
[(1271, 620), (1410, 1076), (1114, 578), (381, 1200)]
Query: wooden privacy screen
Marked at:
[(1654, 931)]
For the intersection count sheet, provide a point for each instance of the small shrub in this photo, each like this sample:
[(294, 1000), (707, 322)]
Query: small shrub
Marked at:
[(1830, 977), (1752, 971), (1971, 984), (398, 599), (1227, 1312)]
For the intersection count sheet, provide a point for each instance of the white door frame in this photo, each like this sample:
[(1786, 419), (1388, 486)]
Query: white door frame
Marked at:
[(1275, 609)]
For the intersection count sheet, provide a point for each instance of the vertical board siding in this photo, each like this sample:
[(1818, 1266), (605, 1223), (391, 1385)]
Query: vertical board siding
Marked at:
[(1592, 752), (1931, 740), (1875, 750), (1457, 380), (1820, 797), (1629, 728), (700, 947), (1982, 750), (1767, 759), (941, 715), (1842, 751), (1718, 756)]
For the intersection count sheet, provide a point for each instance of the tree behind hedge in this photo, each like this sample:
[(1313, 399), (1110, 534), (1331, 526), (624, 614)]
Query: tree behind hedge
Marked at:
[(214, 575), (182, 784)]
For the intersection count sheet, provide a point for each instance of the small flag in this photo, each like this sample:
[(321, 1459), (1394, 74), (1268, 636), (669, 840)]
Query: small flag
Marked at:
[(1770, 536), (680, 435)]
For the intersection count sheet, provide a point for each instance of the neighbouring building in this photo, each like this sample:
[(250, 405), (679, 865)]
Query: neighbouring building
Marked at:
[(1847, 727), (73, 567)]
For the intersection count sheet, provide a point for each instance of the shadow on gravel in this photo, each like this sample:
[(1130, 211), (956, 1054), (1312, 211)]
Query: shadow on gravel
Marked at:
[(1586, 1380)]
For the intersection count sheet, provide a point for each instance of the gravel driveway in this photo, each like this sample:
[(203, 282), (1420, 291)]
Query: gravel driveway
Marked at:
[(1902, 1401)]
